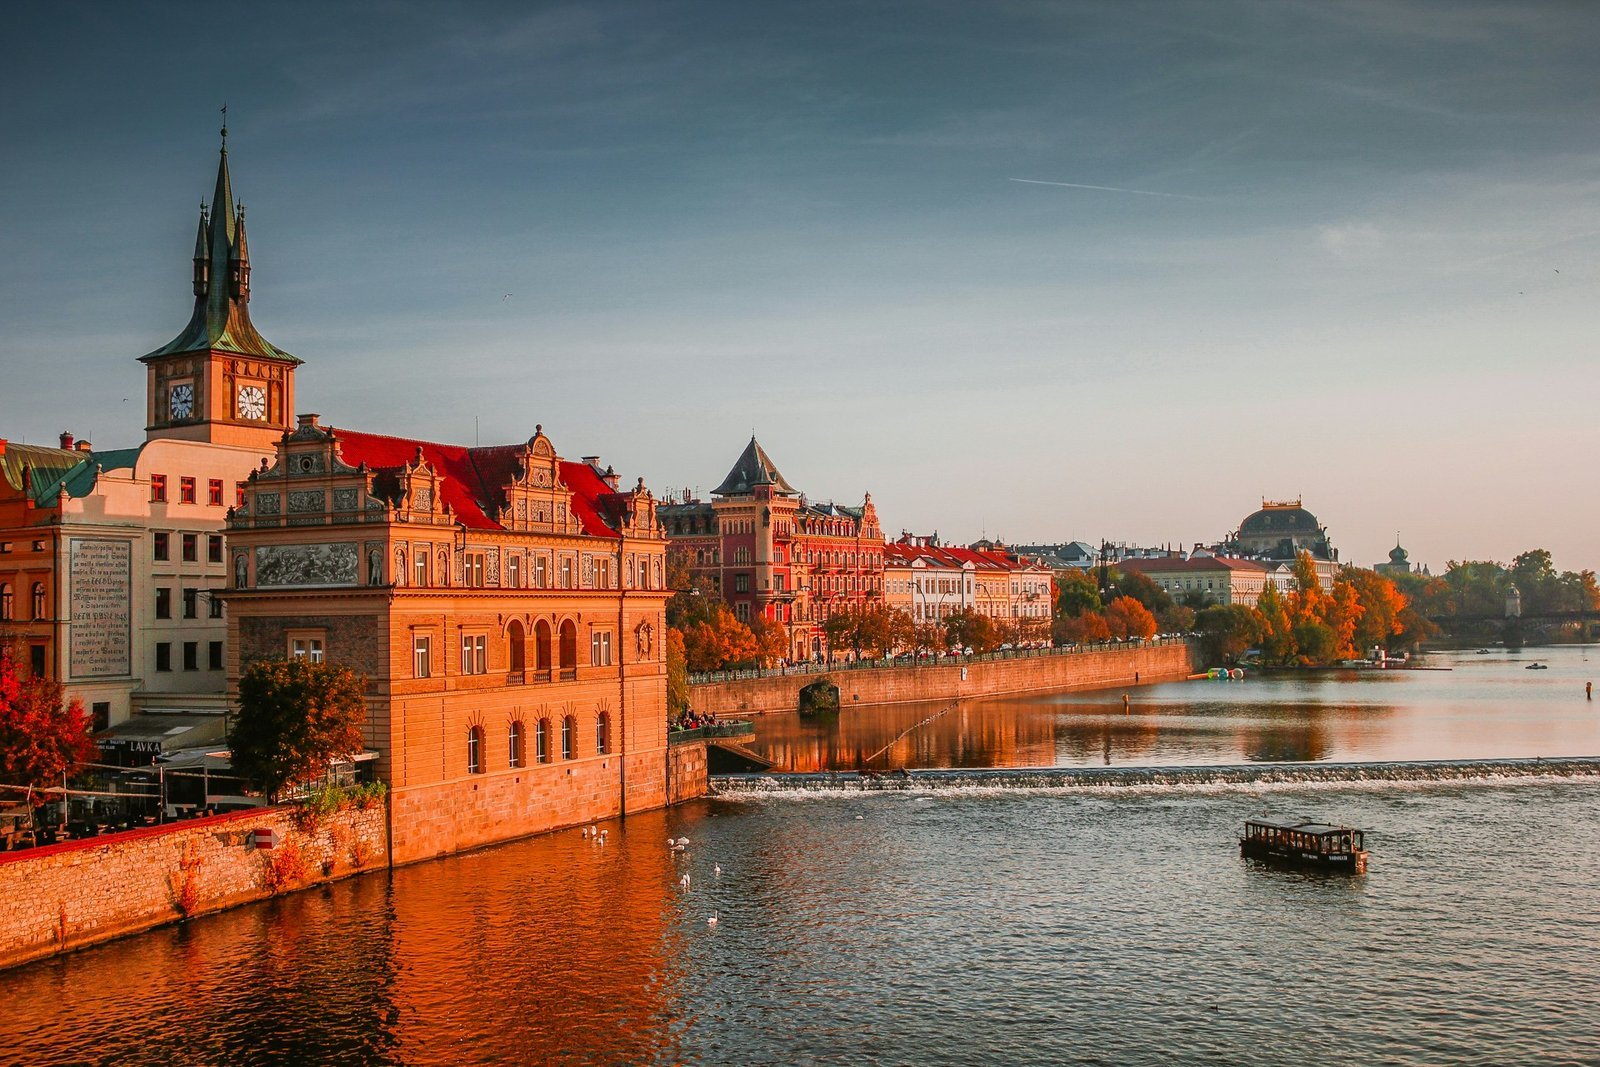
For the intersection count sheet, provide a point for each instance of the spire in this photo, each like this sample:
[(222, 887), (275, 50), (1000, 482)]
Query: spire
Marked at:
[(202, 259), (753, 468), (221, 318)]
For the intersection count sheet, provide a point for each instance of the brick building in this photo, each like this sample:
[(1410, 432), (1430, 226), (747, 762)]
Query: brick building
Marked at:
[(771, 553), (506, 605)]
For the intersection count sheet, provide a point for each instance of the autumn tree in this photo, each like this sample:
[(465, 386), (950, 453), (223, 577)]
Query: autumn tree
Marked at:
[(42, 736), (1382, 608), (972, 629), (677, 674), (771, 640), (718, 641), (1082, 629), (295, 718), (1127, 617), (1277, 629)]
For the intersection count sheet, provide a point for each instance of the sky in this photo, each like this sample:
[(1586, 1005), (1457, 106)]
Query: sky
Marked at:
[(1037, 271)]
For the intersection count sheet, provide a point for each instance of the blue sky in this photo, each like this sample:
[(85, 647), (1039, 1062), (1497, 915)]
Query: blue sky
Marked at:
[(1369, 280)]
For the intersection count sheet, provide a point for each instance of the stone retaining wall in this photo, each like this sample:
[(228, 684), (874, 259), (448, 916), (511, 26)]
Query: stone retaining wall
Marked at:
[(687, 771), (78, 893), (910, 683)]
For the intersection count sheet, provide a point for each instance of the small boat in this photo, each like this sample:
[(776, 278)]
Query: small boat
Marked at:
[(1536, 667), (1484, 652), (1320, 846)]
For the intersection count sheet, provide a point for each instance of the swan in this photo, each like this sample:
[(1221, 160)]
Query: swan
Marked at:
[(716, 868), (711, 920), (683, 842), (684, 882)]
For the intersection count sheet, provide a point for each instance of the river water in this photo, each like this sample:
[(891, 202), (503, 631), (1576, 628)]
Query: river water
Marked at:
[(927, 926)]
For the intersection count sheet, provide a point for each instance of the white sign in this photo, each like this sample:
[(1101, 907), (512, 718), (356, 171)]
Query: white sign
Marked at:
[(100, 576)]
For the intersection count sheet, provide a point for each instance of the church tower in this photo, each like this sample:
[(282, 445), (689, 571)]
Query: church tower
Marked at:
[(219, 380)]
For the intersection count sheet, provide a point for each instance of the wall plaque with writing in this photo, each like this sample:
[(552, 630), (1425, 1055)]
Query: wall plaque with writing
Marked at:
[(100, 576)]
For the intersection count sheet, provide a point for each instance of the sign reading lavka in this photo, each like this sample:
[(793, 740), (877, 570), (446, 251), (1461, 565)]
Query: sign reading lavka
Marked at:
[(101, 575)]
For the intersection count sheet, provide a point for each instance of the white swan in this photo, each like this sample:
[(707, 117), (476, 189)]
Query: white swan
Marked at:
[(716, 868), (683, 842), (711, 920)]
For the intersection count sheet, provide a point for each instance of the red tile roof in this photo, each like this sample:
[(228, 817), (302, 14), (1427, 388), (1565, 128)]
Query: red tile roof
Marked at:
[(475, 478)]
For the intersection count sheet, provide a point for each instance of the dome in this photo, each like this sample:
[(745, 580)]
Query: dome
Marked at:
[(1397, 555), (1280, 520)]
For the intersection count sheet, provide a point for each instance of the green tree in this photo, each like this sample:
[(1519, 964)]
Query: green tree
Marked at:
[(42, 736), (295, 718), (1277, 636), (1227, 631), (1076, 593)]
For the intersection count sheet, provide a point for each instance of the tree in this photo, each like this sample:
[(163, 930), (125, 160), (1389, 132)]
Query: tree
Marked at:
[(1143, 588), (771, 640), (1277, 636), (677, 674), (1076, 593), (1082, 629), (295, 718), (972, 629), (719, 641), (1127, 617), (41, 736), (1226, 631), (1382, 608)]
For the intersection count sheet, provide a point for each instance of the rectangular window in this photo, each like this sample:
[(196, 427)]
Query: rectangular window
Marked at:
[(214, 605), (541, 572), (472, 570), (474, 654), (214, 548), (158, 488), (602, 573), (741, 583), (422, 657), (186, 490), (191, 655), (306, 648), (161, 546), (163, 656), (191, 548), (191, 603), (238, 490), (600, 648), (422, 568), (36, 660), (514, 572), (214, 492), (163, 603), (566, 572), (214, 656)]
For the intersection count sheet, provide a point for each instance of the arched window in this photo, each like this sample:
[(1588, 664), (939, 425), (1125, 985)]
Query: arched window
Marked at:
[(602, 733), (38, 600), (516, 650), (569, 730), (541, 741), (569, 649), (514, 746), (475, 750), (541, 649), (7, 606)]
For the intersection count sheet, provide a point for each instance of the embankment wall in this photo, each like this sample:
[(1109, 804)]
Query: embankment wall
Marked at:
[(909, 683), (61, 897), (687, 771)]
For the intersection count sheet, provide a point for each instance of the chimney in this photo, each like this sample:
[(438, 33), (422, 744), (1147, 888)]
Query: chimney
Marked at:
[(66, 440), (592, 461), (307, 420), (611, 478)]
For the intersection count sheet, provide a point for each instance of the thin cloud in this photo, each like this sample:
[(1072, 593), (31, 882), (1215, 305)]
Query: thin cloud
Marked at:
[(1107, 189)]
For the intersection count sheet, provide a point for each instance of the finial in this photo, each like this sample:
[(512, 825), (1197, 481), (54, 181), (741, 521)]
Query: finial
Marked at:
[(224, 127), (538, 428)]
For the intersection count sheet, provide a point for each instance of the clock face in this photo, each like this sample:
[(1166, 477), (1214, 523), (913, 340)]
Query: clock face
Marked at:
[(252, 402), (180, 402)]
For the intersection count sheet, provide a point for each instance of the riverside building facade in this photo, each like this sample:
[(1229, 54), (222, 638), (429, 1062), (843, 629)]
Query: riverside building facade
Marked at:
[(507, 607), (771, 553)]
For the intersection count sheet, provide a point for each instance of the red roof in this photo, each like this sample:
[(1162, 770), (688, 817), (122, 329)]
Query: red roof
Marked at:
[(475, 478)]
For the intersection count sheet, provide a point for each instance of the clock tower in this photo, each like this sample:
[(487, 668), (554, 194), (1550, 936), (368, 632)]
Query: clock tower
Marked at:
[(219, 380)]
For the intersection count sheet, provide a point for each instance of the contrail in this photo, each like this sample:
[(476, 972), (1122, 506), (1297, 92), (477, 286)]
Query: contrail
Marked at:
[(1106, 189)]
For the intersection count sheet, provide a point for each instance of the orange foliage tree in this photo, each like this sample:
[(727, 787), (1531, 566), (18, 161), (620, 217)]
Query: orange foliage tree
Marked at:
[(41, 736), (1126, 617)]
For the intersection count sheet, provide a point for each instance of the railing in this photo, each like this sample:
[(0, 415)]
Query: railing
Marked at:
[(515, 677), (721, 729), (905, 662), (569, 674)]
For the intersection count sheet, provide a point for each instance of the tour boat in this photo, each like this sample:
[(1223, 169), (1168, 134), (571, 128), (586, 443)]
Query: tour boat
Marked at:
[(1305, 844)]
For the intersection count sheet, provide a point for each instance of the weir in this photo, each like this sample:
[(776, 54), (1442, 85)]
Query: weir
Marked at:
[(1101, 777)]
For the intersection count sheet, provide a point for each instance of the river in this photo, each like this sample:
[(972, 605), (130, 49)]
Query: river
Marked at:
[(930, 926)]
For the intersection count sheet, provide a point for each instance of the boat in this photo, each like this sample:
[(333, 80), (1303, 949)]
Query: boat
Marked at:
[(1484, 652), (1536, 667), (1320, 846)]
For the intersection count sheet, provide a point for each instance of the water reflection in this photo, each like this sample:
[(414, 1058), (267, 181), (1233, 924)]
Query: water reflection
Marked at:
[(1484, 707)]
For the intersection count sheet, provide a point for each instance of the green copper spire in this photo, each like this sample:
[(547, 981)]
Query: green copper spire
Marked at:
[(221, 318)]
